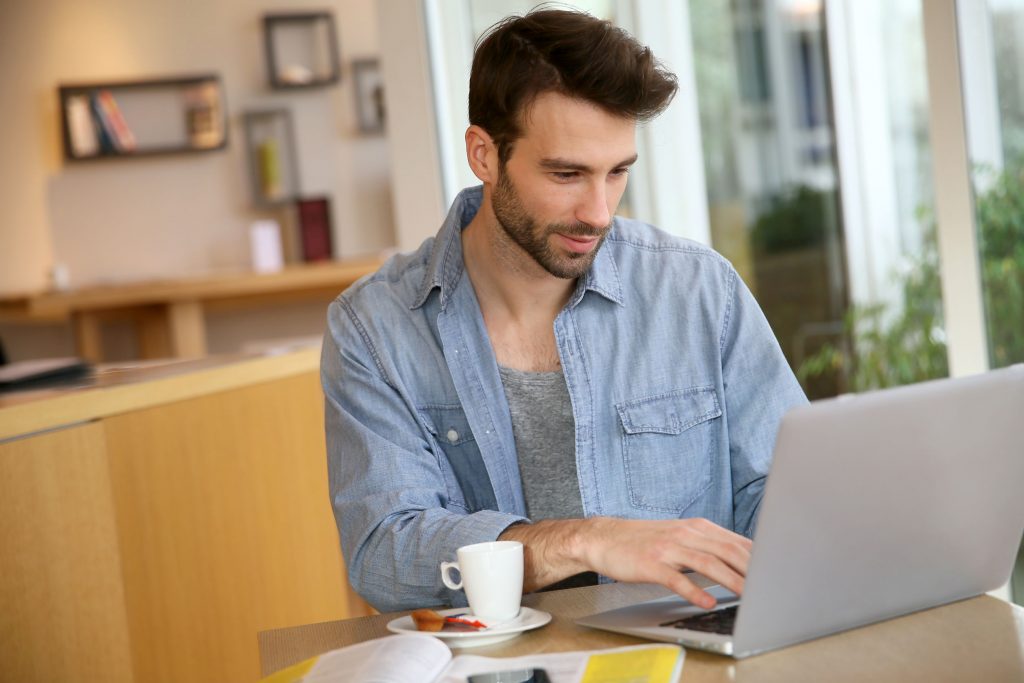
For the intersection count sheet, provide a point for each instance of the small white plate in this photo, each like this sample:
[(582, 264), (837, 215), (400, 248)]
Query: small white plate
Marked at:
[(527, 620)]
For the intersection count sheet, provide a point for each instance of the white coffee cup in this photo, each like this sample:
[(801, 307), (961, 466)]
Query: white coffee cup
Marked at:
[(492, 576)]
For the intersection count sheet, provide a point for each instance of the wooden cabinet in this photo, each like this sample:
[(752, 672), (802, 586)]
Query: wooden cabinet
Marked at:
[(152, 543), (63, 616)]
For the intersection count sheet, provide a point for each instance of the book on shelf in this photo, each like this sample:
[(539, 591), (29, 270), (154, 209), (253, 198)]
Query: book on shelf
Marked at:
[(81, 127), (122, 133), (315, 228), (412, 658), (104, 132), (113, 130)]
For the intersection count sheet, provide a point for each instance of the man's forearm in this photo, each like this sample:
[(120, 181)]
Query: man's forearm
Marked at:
[(637, 551), (552, 550)]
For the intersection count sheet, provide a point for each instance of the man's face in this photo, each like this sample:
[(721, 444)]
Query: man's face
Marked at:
[(557, 193)]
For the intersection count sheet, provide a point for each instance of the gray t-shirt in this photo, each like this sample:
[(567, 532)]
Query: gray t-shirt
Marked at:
[(545, 435)]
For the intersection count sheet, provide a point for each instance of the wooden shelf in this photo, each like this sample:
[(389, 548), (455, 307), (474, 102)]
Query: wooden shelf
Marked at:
[(273, 164), (143, 118), (170, 313), (301, 50)]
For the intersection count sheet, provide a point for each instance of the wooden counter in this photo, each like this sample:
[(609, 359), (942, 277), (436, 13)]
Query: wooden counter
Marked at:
[(150, 526), (169, 315)]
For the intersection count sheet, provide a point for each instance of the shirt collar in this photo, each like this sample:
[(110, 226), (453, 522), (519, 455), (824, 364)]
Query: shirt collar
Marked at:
[(445, 265)]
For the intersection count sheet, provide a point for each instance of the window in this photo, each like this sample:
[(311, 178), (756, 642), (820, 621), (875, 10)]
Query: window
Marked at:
[(894, 329), (992, 58), (992, 49), (814, 172), (769, 163)]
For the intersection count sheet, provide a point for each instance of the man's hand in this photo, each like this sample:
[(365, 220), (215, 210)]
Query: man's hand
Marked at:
[(634, 551)]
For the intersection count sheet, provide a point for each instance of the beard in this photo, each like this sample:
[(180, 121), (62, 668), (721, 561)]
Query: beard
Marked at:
[(523, 229)]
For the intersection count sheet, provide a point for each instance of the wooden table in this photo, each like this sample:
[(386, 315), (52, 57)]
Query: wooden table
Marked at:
[(981, 639), (169, 314)]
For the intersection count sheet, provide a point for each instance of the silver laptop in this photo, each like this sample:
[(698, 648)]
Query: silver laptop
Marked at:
[(877, 505)]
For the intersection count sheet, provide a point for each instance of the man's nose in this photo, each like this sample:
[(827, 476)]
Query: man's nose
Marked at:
[(593, 208)]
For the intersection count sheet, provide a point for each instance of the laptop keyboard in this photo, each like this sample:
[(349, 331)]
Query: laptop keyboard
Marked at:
[(720, 621)]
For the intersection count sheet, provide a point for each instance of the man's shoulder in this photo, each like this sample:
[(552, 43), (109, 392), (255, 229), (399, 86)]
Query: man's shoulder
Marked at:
[(637, 243), (397, 282)]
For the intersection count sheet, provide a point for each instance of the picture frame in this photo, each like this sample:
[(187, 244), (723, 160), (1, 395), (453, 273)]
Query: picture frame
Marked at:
[(369, 95)]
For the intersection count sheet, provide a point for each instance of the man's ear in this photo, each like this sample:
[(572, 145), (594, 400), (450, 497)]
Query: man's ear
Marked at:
[(482, 154)]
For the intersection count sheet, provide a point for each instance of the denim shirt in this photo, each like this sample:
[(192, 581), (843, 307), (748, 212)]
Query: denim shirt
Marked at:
[(676, 381)]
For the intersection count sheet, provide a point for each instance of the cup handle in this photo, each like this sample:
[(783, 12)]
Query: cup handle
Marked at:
[(447, 567)]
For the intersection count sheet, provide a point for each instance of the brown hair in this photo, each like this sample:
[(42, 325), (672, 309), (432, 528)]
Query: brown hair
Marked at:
[(567, 52)]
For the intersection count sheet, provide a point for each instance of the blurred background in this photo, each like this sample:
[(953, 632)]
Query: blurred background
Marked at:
[(171, 208), (801, 146)]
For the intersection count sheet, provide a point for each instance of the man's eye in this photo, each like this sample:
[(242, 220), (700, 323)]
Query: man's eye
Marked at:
[(564, 175), (621, 171)]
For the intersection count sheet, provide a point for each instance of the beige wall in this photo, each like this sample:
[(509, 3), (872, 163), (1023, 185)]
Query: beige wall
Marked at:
[(167, 216), (25, 243)]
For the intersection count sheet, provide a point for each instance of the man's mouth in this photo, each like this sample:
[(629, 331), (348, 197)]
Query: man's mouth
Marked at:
[(579, 244)]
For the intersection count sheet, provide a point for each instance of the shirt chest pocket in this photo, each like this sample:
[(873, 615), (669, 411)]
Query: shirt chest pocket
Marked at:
[(668, 444), (465, 476)]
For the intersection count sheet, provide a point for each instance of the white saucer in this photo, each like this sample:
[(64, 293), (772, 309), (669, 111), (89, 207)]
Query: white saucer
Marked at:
[(527, 620)]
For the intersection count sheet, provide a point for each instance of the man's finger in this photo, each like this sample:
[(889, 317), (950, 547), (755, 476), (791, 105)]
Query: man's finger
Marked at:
[(682, 586), (715, 569), (734, 555), (719, 545)]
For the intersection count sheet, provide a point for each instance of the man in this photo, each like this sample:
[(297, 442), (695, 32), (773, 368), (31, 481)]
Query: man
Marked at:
[(541, 371)]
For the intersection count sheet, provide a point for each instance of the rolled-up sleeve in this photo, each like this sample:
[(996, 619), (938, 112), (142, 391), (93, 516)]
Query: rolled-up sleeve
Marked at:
[(386, 482), (759, 388)]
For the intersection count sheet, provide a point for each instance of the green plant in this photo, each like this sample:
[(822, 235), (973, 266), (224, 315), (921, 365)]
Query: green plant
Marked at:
[(1000, 211), (887, 345), (794, 219)]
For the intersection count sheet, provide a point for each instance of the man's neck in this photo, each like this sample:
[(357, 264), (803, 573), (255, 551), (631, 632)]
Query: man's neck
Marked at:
[(519, 300), (508, 282)]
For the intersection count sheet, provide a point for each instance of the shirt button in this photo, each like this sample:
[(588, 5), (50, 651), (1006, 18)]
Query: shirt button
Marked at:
[(452, 435)]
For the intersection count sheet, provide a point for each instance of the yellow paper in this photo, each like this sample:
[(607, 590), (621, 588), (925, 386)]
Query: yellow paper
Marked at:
[(650, 665), (293, 674)]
